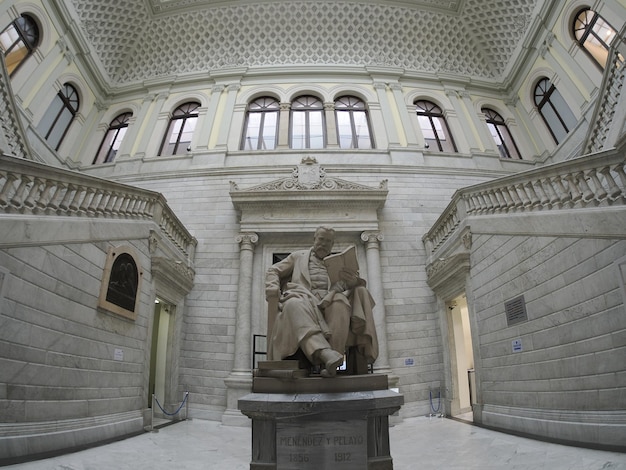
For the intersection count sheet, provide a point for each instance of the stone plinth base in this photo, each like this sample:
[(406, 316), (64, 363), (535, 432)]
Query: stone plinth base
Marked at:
[(340, 429)]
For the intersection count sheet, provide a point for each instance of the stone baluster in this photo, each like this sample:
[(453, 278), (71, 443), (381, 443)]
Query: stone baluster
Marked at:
[(119, 202), (599, 192), (88, 197), (619, 169), (94, 203), (519, 189), (375, 285), (55, 200), (564, 196), (614, 190), (18, 196), (517, 202), (75, 204), (65, 202), (544, 200), (108, 209), (548, 190), (532, 194), (587, 192), (33, 193), (506, 197), (574, 192), (106, 197), (10, 178), (42, 201)]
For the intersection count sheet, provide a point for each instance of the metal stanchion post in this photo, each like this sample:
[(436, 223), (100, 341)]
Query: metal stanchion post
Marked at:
[(152, 422), (186, 406)]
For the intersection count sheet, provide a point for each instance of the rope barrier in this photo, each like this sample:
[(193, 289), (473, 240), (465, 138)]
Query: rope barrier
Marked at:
[(435, 411), (175, 412)]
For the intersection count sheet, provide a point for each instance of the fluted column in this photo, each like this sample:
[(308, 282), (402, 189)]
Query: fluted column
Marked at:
[(239, 381), (375, 286)]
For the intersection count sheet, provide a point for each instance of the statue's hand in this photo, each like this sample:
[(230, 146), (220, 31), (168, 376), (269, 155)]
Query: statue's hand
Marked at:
[(272, 293), (349, 277)]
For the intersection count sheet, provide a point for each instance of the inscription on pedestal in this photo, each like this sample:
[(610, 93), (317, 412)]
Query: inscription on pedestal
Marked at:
[(315, 445)]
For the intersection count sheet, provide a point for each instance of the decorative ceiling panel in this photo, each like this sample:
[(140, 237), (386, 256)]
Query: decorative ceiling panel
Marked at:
[(134, 45)]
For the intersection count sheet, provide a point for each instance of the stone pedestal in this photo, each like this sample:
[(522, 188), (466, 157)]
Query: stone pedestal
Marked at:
[(340, 423)]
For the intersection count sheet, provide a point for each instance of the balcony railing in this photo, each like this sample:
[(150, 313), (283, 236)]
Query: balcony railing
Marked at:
[(12, 140), (589, 181), (604, 117), (28, 187)]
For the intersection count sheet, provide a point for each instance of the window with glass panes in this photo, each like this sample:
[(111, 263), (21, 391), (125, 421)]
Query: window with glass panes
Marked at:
[(180, 130), (59, 116), (434, 127), (18, 41), (501, 134), (594, 34), (554, 110), (307, 123), (113, 139), (353, 129), (261, 129)]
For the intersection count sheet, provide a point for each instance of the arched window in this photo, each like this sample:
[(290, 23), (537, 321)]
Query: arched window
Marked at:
[(352, 125), (307, 123), (261, 130), (177, 139), (593, 34), (554, 110), (18, 41), (434, 127), (57, 119), (113, 139), (501, 134)]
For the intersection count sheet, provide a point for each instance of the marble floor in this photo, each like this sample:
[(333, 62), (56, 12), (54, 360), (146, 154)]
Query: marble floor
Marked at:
[(417, 443)]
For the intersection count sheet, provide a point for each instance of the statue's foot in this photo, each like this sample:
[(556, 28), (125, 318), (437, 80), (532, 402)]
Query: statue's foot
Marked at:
[(332, 359)]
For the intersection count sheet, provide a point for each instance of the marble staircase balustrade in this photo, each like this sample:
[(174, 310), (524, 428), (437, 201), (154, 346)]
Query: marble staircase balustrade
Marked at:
[(606, 112), (28, 187), (591, 181)]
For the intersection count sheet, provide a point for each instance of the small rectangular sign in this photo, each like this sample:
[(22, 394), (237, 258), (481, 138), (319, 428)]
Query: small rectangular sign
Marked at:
[(118, 354), (516, 345), (409, 361)]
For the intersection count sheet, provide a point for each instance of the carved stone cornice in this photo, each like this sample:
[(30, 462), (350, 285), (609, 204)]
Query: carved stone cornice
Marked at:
[(173, 276), (308, 197)]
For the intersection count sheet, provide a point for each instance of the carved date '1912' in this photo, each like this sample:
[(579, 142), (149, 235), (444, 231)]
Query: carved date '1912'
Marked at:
[(342, 457)]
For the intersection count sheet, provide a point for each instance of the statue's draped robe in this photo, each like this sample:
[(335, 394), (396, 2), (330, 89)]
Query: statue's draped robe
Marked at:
[(300, 322)]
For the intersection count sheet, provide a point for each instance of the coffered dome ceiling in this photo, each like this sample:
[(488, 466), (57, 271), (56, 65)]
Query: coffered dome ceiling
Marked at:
[(138, 40)]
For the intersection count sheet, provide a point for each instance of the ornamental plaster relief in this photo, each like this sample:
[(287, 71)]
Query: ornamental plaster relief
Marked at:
[(310, 33)]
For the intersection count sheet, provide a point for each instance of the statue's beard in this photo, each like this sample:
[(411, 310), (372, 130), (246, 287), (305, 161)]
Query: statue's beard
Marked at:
[(321, 252)]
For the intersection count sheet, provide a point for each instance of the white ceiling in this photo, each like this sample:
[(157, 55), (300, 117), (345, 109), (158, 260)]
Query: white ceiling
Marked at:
[(137, 40)]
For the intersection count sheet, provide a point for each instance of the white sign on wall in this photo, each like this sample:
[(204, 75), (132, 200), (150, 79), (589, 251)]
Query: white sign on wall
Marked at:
[(118, 354), (516, 345)]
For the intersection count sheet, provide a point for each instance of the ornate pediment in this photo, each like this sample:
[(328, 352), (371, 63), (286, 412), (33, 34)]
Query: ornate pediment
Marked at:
[(308, 176), (307, 198)]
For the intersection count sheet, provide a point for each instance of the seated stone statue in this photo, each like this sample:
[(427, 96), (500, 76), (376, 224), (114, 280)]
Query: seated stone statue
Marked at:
[(318, 318)]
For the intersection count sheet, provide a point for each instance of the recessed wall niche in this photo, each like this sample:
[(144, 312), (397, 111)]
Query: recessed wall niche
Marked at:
[(121, 283)]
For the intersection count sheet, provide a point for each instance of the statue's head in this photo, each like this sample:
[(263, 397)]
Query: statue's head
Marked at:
[(323, 241)]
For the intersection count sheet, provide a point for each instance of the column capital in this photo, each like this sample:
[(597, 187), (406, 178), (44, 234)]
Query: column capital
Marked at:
[(372, 237), (247, 239), (329, 106)]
